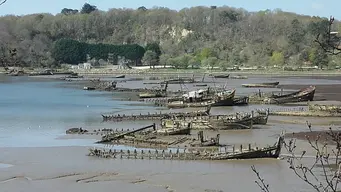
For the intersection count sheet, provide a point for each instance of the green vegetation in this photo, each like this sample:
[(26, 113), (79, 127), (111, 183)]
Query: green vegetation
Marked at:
[(194, 37), (74, 52)]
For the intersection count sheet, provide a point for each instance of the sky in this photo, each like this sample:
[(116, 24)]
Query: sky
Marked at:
[(323, 8)]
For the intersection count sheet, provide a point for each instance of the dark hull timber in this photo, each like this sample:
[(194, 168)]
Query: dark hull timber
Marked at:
[(302, 95), (156, 116), (222, 76), (306, 94), (264, 85), (241, 153)]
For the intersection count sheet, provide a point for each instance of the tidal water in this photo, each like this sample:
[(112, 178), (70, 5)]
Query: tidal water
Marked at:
[(35, 112)]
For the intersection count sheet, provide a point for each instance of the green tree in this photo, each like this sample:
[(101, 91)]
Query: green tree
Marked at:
[(87, 8), (68, 51), (150, 58), (206, 53), (319, 57), (194, 62), (210, 62), (155, 47), (277, 58), (164, 59), (223, 65), (296, 35)]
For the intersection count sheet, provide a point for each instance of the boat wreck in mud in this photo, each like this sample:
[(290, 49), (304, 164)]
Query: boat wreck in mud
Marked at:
[(263, 85), (223, 122), (315, 109), (202, 98), (306, 94), (188, 154), (156, 116), (155, 93), (222, 76)]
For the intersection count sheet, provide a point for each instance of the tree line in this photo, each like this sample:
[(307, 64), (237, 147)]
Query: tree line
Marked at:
[(198, 36), (75, 52)]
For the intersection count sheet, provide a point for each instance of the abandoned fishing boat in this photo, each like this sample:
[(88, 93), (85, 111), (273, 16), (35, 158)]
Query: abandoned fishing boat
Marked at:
[(265, 85), (155, 93), (120, 76), (200, 85), (306, 94), (156, 116), (222, 76), (248, 153), (76, 130), (238, 77), (221, 122), (89, 88), (201, 98)]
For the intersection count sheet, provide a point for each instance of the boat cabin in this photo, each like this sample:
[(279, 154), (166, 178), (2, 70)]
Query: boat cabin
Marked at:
[(195, 96)]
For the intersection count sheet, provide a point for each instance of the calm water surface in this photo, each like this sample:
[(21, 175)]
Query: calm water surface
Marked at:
[(33, 113)]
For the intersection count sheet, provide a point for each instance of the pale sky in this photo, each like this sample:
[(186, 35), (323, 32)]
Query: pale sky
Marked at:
[(323, 8)]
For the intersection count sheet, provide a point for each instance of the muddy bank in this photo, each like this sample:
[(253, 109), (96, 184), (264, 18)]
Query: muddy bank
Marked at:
[(67, 169), (320, 136)]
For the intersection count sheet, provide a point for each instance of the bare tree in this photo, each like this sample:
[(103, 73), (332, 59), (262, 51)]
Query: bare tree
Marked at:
[(3, 1), (328, 162), (329, 40)]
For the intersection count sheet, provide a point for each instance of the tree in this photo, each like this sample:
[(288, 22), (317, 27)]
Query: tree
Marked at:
[(142, 8), (223, 65), (206, 53), (67, 11), (319, 57), (194, 62), (210, 62), (87, 8), (150, 58), (155, 47), (164, 59), (2, 2), (296, 35), (277, 58), (328, 40)]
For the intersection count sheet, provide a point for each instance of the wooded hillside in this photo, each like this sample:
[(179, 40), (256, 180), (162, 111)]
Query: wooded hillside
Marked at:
[(214, 36)]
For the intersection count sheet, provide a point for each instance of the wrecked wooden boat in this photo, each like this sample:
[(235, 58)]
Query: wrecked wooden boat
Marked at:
[(120, 76), (222, 76), (264, 85), (221, 122), (156, 116), (302, 95), (239, 77), (89, 88), (187, 154), (76, 130), (155, 93), (200, 85), (306, 94), (201, 98)]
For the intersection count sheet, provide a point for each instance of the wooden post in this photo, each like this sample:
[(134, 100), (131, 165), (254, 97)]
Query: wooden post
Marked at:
[(241, 148), (249, 147), (233, 149)]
